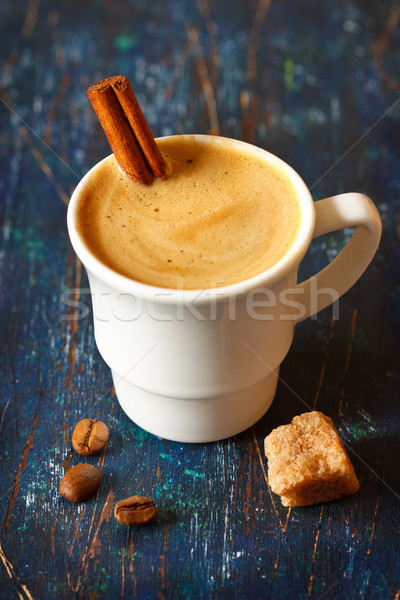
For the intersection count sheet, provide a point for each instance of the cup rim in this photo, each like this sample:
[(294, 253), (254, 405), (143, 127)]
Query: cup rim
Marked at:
[(146, 291)]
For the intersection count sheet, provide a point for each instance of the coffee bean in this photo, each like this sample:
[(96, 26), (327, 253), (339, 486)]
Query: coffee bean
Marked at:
[(80, 483), (89, 437), (136, 510)]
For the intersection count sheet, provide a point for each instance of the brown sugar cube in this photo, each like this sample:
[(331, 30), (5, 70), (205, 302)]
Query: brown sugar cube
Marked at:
[(307, 462)]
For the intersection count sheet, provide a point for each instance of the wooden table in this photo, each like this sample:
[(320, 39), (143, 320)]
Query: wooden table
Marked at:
[(316, 83)]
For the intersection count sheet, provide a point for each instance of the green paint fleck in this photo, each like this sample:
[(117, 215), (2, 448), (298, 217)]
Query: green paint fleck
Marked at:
[(125, 41), (289, 74), (373, 153), (166, 456), (362, 431), (193, 473)]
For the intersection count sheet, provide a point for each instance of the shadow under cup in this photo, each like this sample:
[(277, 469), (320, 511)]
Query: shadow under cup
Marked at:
[(199, 365)]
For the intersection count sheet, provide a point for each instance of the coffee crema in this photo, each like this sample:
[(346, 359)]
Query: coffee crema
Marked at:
[(223, 214)]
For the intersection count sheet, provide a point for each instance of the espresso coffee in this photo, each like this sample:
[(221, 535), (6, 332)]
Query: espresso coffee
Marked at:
[(224, 213)]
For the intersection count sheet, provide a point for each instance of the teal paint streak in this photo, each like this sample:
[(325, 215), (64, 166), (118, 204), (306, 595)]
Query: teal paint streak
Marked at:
[(193, 473), (125, 42)]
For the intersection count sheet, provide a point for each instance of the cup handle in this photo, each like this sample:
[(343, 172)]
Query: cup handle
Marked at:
[(344, 210)]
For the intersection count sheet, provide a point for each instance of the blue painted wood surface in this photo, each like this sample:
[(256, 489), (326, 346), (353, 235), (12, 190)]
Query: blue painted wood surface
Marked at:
[(316, 83)]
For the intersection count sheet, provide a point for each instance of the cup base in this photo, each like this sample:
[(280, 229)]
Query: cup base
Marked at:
[(196, 420)]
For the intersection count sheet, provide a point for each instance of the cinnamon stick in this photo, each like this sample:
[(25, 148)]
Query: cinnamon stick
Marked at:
[(126, 129), (138, 123)]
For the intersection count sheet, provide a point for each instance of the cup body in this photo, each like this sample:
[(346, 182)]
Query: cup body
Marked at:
[(196, 365)]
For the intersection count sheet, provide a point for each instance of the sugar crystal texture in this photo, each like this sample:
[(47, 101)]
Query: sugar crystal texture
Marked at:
[(307, 462)]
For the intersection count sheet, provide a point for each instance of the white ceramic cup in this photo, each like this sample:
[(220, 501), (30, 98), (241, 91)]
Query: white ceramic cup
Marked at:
[(202, 365)]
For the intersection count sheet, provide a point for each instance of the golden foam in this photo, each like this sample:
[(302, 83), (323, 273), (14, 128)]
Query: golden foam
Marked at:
[(222, 215)]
